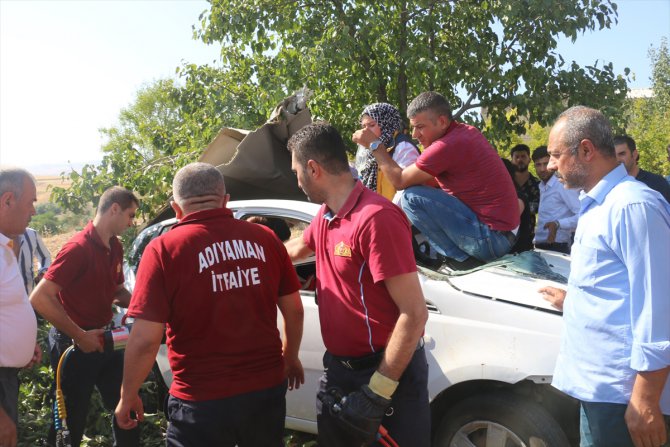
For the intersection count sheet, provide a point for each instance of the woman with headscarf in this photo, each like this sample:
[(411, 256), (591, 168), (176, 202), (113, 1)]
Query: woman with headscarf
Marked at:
[(385, 122)]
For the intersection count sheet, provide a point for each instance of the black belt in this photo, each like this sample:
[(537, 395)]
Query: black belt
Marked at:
[(368, 361)]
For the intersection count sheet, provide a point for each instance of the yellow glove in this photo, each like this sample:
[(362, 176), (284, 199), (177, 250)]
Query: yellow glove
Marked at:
[(382, 385)]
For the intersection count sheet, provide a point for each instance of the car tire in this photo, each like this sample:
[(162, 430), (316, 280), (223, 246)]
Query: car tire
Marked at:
[(498, 420)]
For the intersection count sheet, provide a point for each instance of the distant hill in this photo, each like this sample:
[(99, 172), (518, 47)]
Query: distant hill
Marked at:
[(52, 169)]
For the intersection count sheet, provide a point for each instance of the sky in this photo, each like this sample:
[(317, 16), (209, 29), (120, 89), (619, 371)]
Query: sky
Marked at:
[(67, 68)]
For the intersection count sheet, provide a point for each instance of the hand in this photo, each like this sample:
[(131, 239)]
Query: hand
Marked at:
[(363, 137), (553, 228), (362, 412), (294, 372), (554, 295), (7, 430), (645, 423), (37, 357), (90, 341), (123, 410)]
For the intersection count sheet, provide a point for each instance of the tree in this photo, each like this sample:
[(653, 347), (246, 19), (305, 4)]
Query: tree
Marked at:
[(649, 118), (165, 128), (501, 53)]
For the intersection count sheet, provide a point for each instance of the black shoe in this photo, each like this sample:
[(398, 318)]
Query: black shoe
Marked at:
[(467, 264)]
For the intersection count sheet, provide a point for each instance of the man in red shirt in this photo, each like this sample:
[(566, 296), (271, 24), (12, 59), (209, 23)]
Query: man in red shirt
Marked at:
[(76, 297), (371, 307), (473, 217), (215, 282)]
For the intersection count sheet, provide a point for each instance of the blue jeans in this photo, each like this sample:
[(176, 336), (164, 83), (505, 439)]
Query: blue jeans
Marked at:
[(602, 424), (452, 228)]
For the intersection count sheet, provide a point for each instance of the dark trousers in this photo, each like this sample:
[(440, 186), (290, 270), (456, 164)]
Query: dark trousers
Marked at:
[(82, 373), (9, 392), (408, 419), (602, 425), (561, 247), (254, 419)]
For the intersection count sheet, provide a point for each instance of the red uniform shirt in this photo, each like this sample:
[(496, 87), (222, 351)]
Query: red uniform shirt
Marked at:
[(216, 281), (89, 274), (467, 167), (368, 241)]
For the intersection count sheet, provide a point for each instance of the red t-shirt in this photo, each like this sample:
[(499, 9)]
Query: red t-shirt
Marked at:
[(89, 274), (368, 241), (216, 281), (467, 167)]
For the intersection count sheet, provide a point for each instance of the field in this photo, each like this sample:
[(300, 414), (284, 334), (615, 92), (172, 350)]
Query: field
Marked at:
[(44, 183)]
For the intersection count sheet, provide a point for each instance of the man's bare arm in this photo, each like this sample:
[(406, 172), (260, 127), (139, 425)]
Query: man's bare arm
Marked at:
[(298, 249), (644, 419), (143, 344), (44, 300), (122, 296), (399, 178), (291, 309), (406, 292)]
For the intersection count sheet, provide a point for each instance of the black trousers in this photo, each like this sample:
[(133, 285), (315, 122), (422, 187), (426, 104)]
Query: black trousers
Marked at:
[(561, 247), (254, 419), (9, 392), (408, 420), (82, 373)]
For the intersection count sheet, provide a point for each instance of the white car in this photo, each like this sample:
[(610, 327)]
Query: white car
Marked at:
[(491, 343)]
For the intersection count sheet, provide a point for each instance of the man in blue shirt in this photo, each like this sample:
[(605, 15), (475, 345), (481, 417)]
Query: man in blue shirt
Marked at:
[(615, 352)]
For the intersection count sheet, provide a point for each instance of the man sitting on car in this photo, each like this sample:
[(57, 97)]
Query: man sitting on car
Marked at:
[(473, 217)]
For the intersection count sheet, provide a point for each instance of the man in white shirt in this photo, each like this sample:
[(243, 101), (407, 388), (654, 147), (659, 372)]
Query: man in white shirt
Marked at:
[(32, 247), (18, 325), (559, 208)]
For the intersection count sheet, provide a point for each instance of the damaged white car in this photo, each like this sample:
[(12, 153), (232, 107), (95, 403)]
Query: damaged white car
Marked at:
[(491, 340)]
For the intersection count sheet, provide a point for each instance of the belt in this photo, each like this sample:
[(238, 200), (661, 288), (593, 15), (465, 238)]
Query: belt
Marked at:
[(368, 361)]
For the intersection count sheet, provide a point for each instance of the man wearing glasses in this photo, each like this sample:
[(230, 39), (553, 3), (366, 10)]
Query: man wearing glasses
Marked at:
[(618, 295)]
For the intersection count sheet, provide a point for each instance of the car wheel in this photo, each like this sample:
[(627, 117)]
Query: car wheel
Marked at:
[(498, 420)]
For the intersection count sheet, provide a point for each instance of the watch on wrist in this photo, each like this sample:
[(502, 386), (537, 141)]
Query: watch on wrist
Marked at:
[(374, 145)]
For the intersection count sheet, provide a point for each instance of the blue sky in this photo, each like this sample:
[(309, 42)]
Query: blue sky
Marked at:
[(68, 67)]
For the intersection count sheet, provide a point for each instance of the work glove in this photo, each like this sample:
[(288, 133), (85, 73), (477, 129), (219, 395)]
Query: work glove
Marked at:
[(362, 412)]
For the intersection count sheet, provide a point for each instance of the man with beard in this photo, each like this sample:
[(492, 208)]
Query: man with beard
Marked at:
[(559, 208), (615, 351), (472, 218), (525, 181), (371, 306), (627, 153)]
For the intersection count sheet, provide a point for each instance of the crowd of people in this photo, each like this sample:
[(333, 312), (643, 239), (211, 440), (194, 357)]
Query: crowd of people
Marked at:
[(213, 284)]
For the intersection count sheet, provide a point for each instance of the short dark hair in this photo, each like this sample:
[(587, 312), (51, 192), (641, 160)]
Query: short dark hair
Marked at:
[(540, 152), (520, 148), (322, 143), (12, 180), (628, 141), (276, 224), (585, 123), (432, 101), (117, 194)]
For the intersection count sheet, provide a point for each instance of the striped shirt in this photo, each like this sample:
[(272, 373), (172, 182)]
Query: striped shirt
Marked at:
[(32, 247)]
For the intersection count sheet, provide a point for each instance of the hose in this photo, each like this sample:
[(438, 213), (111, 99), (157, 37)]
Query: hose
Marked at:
[(59, 410)]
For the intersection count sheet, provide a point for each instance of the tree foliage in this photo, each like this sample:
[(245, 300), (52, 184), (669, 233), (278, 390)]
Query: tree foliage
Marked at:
[(649, 118), (501, 53)]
